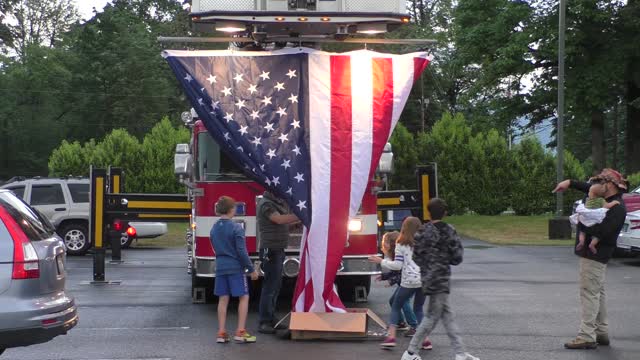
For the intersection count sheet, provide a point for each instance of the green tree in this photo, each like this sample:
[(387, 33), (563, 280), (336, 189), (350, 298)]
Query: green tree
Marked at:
[(405, 159), (158, 149), (534, 179), (72, 158), (121, 149)]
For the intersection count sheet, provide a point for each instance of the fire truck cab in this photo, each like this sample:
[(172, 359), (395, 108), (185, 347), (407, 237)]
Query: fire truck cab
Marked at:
[(209, 173)]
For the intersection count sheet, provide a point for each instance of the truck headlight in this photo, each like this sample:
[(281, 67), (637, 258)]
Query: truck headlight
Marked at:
[(355, 225)]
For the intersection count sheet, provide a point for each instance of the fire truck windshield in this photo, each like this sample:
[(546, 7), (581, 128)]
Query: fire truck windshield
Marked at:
[(213, 164)]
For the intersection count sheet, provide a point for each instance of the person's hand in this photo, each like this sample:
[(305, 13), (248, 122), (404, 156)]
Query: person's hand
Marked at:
[(375, 259), (562, 186), (254, 276)]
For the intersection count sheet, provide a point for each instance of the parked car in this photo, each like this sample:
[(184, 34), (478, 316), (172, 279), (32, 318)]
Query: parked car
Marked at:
[(34, 306), (629, 239), (65, 202)]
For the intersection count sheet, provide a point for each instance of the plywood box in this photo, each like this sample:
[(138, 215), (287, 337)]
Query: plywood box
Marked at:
[(350, 325)]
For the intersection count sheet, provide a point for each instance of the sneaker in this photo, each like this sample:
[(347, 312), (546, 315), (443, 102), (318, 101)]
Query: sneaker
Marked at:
[(408, 356), (427, 345), (410, 332), (580, 344), (603, 340), (222, 337), (403, 326), (466, 356), (243, 336), (266, 328), (388, 343)]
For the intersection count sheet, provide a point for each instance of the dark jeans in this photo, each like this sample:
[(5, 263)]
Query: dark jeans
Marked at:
[(407, 313), (272, 260), (402, 296)]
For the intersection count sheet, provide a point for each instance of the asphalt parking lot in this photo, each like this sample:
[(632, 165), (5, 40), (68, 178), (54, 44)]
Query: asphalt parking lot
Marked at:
[(510, 302)]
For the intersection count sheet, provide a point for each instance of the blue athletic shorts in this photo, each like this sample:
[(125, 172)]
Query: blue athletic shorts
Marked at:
[(235, 285)]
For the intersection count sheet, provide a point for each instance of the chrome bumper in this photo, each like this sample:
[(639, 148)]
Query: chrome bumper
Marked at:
[(350, 265)]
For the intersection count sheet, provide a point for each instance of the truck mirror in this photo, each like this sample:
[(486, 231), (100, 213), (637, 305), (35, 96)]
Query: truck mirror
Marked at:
[(386, 161), (182, 160)]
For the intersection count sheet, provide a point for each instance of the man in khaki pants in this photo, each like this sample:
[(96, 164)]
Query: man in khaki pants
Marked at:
[(594, 329)]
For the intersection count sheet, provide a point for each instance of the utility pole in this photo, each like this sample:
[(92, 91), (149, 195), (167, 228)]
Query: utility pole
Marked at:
[(423, 105), (560, 124)]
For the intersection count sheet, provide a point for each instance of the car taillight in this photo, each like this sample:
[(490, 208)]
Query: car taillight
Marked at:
[(131, 231), (25, 259), (635, 225)]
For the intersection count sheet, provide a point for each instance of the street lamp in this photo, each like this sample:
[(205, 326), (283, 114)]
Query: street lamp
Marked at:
[(560, 124)]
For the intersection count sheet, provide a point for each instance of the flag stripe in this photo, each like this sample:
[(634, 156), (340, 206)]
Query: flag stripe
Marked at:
[(362, 117), (320, 143), (403, 73), (419, 64), (382, 106), (341, 151)]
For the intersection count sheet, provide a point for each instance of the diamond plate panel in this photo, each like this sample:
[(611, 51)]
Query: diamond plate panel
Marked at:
[(368, 5), (225, 5)]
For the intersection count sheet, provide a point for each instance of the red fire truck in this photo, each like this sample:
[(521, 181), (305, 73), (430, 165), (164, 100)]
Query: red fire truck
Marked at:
[(209, 174)]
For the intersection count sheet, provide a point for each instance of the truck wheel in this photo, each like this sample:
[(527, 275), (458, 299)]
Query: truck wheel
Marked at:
[(76, 237), (347, 286)]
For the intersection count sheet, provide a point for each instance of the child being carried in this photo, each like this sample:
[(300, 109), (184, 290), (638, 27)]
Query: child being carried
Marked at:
[(590, 213)]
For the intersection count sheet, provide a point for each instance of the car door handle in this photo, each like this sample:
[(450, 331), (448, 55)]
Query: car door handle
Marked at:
[(60, 209)]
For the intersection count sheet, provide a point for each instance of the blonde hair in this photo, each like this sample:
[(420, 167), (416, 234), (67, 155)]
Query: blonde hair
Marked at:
[(409, 228), (390, 239)]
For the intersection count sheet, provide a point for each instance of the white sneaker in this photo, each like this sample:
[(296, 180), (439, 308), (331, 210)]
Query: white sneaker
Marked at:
[(407, 356), (465, 356)]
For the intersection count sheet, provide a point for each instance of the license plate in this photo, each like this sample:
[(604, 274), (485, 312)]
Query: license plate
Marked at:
[(625, 227), (60, 263)]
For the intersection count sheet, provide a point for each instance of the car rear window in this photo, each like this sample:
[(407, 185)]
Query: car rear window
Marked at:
[(31, 223), (18, 190), (79, 192), (50, 194)]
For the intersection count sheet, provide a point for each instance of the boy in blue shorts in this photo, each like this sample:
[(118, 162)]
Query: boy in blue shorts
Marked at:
[(232, 266)]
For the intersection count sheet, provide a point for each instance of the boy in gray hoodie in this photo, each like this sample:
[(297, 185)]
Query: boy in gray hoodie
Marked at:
[(437, 247)]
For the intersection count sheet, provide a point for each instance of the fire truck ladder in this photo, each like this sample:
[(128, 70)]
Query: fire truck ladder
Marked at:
[(109, 205)]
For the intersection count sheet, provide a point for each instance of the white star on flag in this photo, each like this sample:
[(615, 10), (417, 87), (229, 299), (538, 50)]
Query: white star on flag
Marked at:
[(212, 79), (226, 91), (188, 78), (297, 150), (266, 101), (271, 153), (268, 181), (253, 89), (291, 74), (229, 117), (240, 104), (240, 149), (295, 124), (238, 78), (284, 138), (255, 115), (281, 111), (293, 98), (302, 205), (299, 177), (262, 167), (243, 130), (226, 136), (256, 141), (276, 181), (290, 191), (200, 101), (269, 127), (215, 104), (286, 164), (279, 86), (265, 75)]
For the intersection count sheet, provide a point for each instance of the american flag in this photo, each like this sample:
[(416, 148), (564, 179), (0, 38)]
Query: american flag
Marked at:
[(286, 115)]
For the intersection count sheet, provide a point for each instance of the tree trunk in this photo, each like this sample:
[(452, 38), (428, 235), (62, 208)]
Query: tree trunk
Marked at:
[(615, 137), (632, 140), (598, 148)]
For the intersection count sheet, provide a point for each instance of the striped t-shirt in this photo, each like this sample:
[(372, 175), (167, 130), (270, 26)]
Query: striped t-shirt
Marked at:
[(404, 261)]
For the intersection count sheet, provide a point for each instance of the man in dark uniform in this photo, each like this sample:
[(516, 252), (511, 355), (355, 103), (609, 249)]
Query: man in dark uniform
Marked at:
[(273, 220), (594, 329)]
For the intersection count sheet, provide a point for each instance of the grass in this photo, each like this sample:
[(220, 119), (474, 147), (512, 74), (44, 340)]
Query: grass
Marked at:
[(175, 237), (506, 229)]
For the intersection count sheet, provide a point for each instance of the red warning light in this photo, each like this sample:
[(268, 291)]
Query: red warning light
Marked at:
[(131, 231)]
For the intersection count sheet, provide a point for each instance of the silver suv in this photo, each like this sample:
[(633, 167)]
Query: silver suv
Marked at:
[(64, 201), (34, 306)]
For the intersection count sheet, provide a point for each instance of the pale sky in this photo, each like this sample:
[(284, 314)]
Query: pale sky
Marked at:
[(85, 7)]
